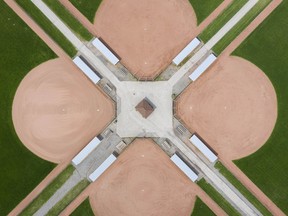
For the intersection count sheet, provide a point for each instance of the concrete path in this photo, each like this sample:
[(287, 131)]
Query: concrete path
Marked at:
[(59, 195), (195, 60), (239, 202)]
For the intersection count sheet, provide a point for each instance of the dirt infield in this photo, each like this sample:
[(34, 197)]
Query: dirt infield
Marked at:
[(56, 110), (143, 181), (149, 41), (233, 106)]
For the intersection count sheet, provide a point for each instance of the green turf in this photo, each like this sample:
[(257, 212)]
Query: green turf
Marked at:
[(87, 8), (69, 19), (48, 27), (222, 19), (21, 50), (242, 189), (240, 26), (48, 191), (267, 47), (83, 209), (204, 8), (68, 198), (218, 198), (201, 209)]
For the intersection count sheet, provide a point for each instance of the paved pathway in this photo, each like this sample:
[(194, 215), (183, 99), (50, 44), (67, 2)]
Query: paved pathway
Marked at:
[(240, 203)]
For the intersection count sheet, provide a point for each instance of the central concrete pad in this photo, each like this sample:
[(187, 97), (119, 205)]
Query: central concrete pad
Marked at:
[(130, 122)]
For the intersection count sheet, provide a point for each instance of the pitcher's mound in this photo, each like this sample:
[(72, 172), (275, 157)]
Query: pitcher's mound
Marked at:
[(148, 34), (233, 106), (56, 110), (143, 181)]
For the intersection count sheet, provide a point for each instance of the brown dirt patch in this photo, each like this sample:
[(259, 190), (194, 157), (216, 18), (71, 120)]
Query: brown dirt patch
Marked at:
[(57, 110), (148, 34), (233, 106), (143, 181)]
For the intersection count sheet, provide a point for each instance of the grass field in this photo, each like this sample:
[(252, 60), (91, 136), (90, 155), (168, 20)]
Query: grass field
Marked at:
[(21, 50), (69, 19), (48, 191), (204, 8), (267, 47), (201, 209), (242, 189), (47, 26), (68, 198), (83, 209), (240, 26), (218, 198), (87, 8), (222, 19)]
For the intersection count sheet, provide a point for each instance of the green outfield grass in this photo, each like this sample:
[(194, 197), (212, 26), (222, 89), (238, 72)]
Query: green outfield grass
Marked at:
[(47, 26), (242, 189), (68, 198), (69, 19), (48, 191), (240, 26), (218, 198), (21, 50), (267, 47), (87, 8), (222, 19), (201, 209), (83, 209), (204, 8)]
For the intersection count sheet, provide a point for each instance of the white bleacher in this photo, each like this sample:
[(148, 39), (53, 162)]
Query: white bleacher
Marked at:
[(202, 67), (183, 166), (203, 148), (101, 169), (105, 51), (86, 70), (86, 151), (186, 51)]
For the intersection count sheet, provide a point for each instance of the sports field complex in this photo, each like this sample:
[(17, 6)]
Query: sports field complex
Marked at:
[(153, 107)]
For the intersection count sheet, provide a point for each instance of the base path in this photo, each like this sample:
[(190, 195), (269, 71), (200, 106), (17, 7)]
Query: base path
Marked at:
[(57, 110), (143, 181), (149, 41), (233, 107)]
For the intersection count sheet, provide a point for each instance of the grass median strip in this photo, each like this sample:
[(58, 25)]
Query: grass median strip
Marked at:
[(44, 196), (240, 26), (69, 19), (47, 26), (204, 8), (87, 8), (201, 209), (218, 198), (68, 198), (242, 189), (83, 209), (222, 19)]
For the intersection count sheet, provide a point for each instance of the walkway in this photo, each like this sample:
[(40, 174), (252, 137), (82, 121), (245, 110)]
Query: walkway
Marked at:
[(238, 201)]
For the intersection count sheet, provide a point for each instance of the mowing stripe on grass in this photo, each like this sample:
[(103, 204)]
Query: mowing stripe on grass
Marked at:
[(240, 26), (44, 196), (68, 198), (69, 19), (218, 198), (47, 26), (267, 48), (242, 189), (222, 19)]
